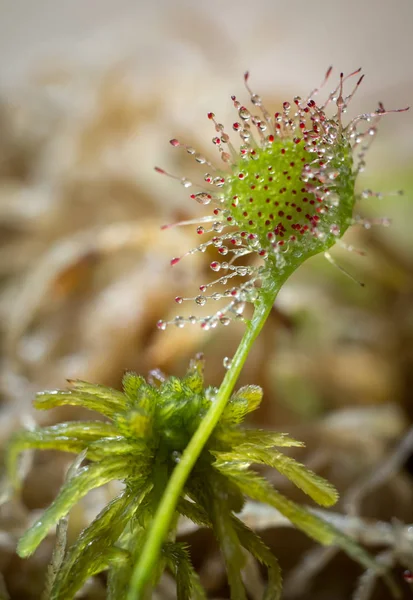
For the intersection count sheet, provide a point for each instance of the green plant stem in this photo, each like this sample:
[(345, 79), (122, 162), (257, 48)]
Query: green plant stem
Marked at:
[(165, 512)]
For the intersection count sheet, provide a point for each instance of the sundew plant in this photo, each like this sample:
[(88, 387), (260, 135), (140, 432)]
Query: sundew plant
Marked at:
[(286, 192)]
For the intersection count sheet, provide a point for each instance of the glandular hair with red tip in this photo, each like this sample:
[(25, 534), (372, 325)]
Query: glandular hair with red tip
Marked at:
[(285, 192)]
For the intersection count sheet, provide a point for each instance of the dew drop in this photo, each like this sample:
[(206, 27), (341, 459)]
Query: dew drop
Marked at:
[(224, 321), (227, 362), (244, 113), (161, 325), (252, 294), (239, 307), (179, 299), (408, 576), (186, 182), (366, 193), (200, 300), (179, 322), (176, 456), (219, 181), (215, 266), (202, 198), (200, 230), (255, 99)]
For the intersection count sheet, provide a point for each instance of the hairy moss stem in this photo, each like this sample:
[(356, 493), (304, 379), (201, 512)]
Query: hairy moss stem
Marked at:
[(162, 520)]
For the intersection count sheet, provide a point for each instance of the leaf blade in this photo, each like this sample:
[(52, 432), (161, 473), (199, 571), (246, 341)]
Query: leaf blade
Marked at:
[(87, 478), (318, 488)]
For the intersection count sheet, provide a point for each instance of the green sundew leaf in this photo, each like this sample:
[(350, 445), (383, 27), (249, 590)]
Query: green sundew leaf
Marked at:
[(87, 478), (68, 437), (244, 401), (254, 544), (230, 546), (257, 488), (320, 490), (256, 437), (94, 549), (132, 384), (187, 583), (108, 406)]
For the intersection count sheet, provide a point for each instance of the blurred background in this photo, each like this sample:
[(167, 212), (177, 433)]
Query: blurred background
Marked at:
[(90, 93)]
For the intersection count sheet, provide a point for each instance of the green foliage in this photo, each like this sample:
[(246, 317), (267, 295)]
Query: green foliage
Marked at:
[(280, 185), (149, 425)]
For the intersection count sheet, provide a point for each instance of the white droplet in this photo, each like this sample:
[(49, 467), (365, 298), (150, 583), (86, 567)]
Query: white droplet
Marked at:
[(179, 322), (239, 307), (227, 362), (176, 456), (203, 198)]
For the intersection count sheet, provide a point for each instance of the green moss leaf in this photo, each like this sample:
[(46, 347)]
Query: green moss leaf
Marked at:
[(254, 544), (68, 437), (194, 512), (134, 424), (229, 545), (256, 437), (107, 406), (106, 447), (321, 531), (244, 401), (93, 550), (87, 478), (187, 582), (320, 490), (132, 385), (194, 378)]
